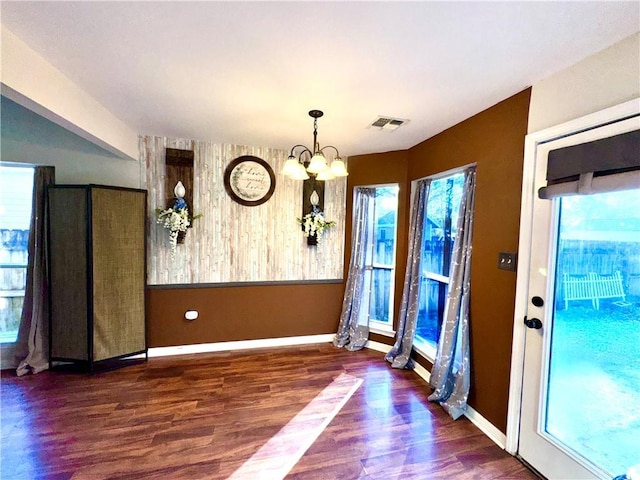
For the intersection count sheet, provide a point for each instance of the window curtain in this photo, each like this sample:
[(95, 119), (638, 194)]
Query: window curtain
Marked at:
[(399, 355), (353, 329), (450, 375), (32, 344)]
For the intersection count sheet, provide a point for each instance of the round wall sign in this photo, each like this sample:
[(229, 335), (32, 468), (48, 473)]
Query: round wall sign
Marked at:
[(249, 180)]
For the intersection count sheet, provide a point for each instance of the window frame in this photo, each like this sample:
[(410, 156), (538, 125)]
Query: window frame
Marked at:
[(420, 345), (7, 349), (382, 327)]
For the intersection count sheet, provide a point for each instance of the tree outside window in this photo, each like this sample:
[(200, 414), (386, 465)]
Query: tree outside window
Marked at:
[(439, 235)]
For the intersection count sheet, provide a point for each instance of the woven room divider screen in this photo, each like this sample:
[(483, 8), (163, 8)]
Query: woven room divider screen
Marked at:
[(97, 252)]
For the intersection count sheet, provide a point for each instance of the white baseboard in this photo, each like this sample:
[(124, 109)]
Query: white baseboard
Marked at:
[(487, 427), (377, 346), (422, 372), (478, 420), (474, 417), (239, 345)]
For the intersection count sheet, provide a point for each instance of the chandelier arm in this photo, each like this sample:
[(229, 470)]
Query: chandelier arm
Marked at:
[(304, 149), (302, 160), (331, 146)]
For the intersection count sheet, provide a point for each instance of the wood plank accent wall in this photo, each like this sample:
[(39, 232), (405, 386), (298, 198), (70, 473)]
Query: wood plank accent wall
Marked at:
[(234, 243)]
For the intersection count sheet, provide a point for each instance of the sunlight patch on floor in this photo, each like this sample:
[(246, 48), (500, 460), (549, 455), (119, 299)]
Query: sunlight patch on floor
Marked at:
[(280, 454)]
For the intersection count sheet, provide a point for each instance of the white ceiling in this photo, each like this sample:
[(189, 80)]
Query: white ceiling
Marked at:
[(248, 72)]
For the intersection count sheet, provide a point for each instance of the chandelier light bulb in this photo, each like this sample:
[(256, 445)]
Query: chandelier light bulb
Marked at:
[(290, 166), (338, 168), (318, 163), (326, 174), (300, 173)]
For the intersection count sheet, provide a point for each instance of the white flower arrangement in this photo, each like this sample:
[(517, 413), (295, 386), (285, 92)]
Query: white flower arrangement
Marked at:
[(314, 224), (175, 219)]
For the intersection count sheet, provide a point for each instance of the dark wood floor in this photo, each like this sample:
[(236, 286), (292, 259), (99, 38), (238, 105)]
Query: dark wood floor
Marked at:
[(203, 416)]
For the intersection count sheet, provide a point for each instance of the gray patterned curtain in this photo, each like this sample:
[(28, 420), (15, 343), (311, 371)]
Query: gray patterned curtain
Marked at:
[(399, 355), (32, 344), (450, 375), (353, 330)]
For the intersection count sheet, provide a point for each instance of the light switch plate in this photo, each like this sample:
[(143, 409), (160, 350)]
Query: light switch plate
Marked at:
[(507, 261)]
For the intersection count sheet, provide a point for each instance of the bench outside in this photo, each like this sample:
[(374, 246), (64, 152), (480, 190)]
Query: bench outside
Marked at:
[(593, 287)]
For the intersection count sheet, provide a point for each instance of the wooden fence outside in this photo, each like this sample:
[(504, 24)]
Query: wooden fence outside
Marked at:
[(13, 272)]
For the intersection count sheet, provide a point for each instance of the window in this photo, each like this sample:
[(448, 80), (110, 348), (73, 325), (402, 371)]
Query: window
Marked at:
[(439, 232), (384, 257), (16, 189)]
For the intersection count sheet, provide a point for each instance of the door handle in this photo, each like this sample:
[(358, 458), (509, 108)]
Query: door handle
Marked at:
[(534, 323)]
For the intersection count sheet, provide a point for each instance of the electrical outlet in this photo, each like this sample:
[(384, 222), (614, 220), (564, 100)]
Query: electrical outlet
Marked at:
[(507, 261)]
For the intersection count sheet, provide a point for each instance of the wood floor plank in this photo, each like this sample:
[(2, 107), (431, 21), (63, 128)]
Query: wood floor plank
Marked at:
[(203, 416)]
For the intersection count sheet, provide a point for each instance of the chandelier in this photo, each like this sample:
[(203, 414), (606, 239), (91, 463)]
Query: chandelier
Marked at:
[(303, 162)]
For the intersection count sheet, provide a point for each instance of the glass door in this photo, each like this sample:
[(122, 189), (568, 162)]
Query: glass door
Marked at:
[(581, 385), (593, 384)]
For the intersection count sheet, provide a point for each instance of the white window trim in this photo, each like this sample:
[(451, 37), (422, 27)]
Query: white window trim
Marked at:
[(379, 326), (7, 349), (441, 175), (382, 266), (382, 328), (423, 347), (436, 277)]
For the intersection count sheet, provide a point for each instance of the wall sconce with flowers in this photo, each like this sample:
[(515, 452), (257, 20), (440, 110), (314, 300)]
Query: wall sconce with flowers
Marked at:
[(176, 218), (314, 223)]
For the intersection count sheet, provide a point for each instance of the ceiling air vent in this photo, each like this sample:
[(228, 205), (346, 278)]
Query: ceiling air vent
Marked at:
[(388, 123)]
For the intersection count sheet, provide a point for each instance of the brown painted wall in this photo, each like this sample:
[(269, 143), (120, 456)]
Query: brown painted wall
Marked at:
[(494, 139), (230, 313), (378, 169)]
